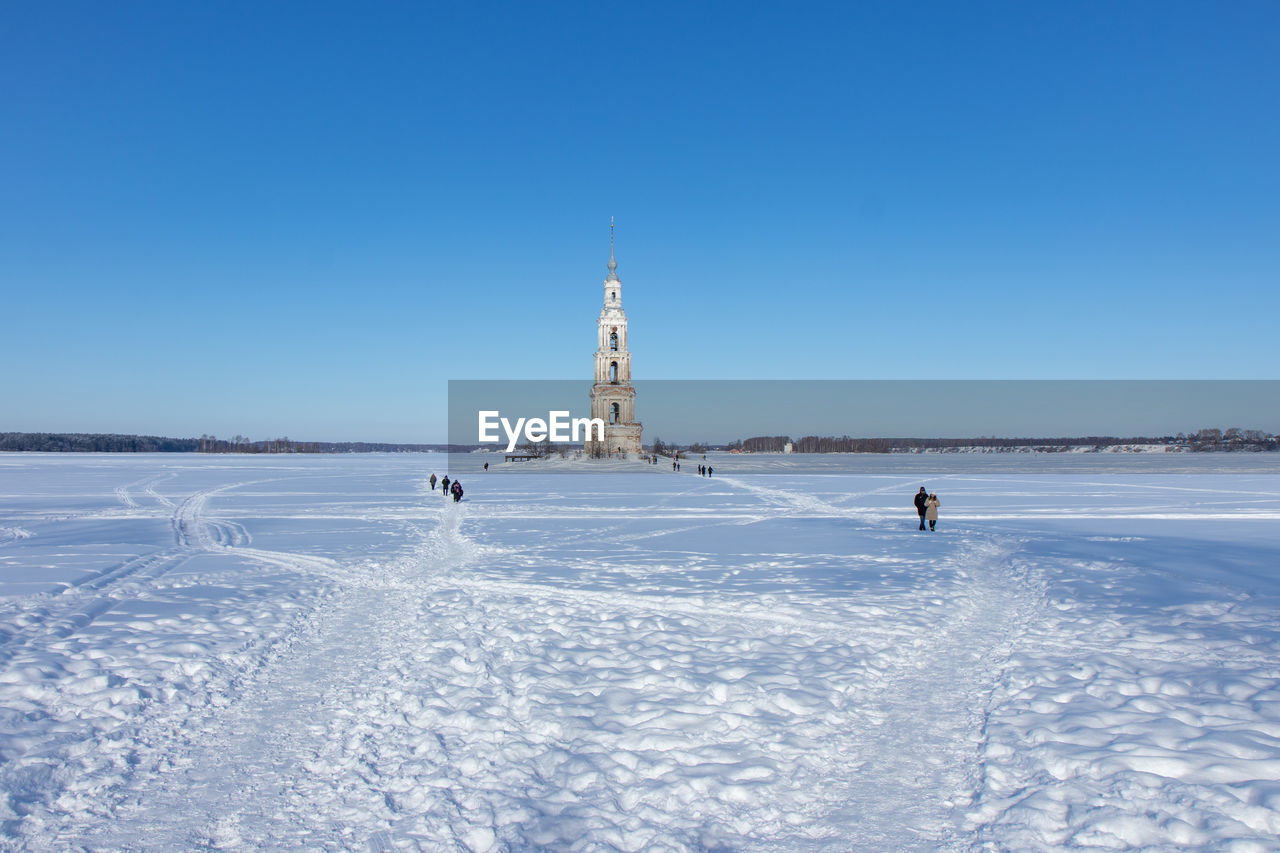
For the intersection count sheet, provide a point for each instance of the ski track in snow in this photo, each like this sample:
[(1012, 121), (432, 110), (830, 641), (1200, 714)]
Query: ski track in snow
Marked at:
[(573, 719), (88, 701), (524, 672), (76, 607)]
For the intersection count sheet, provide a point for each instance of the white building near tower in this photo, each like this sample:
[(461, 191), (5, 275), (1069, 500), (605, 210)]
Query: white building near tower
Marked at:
[(613, 399)]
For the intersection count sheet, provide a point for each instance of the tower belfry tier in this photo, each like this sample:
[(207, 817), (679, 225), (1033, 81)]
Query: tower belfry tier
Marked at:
[(613, 399)]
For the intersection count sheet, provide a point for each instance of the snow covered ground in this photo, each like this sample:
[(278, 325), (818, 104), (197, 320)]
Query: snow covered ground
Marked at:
[(316, 652)]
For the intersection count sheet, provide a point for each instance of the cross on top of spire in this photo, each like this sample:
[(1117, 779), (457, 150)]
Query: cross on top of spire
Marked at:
[(613, 264)]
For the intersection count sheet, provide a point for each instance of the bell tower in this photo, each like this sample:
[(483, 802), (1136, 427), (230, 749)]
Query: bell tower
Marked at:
[(613, 399)]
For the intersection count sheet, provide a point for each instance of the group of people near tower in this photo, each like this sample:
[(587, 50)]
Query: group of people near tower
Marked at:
[(926, 502), (446, 489), (703, 470)]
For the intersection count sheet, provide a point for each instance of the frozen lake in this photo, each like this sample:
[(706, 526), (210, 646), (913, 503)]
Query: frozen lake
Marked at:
[(318, 652)]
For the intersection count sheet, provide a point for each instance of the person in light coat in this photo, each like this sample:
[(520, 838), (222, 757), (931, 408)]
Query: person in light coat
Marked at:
[(931, 510)]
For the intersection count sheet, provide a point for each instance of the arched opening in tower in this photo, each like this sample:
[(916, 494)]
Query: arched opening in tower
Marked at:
[(613, 372), (615, 412)]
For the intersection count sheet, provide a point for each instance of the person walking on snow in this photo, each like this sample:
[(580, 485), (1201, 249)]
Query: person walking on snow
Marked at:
[(432, 481), (921, 497), (931, 511), (457, 490), (709, 470), (444, 485)]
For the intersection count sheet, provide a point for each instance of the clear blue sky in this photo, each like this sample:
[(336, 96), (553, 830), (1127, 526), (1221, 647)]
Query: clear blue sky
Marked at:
[(304, 218)]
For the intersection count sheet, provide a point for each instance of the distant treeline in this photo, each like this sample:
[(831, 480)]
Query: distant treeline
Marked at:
[(242, 444), (76, 442), (1233, 439), (46, 442)]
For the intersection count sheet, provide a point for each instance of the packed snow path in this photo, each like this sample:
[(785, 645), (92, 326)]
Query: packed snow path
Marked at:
[(735, 663)]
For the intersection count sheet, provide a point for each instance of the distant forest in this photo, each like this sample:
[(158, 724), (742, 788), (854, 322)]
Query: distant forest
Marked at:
[(1233, 439), (46, 442), (1230, 440)]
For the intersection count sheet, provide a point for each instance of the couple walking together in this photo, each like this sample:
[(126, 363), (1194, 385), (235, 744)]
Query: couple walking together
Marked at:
[(927, 505)]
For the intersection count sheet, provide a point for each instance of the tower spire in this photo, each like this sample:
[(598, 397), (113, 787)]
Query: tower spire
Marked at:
[(613, 264)]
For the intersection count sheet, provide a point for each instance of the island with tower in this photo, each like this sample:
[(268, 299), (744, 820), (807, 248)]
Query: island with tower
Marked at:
[(613, 398)]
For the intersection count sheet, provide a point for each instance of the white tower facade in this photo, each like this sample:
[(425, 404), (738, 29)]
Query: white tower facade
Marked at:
[(613, 399)]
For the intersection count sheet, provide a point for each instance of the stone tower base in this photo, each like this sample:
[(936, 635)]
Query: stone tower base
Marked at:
[(619, 440)]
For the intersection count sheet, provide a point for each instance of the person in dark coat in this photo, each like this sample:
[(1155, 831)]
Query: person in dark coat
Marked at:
[(444, 485), (457, 490), (922, 497), (432, 481), (709, 470), (486, 466)]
